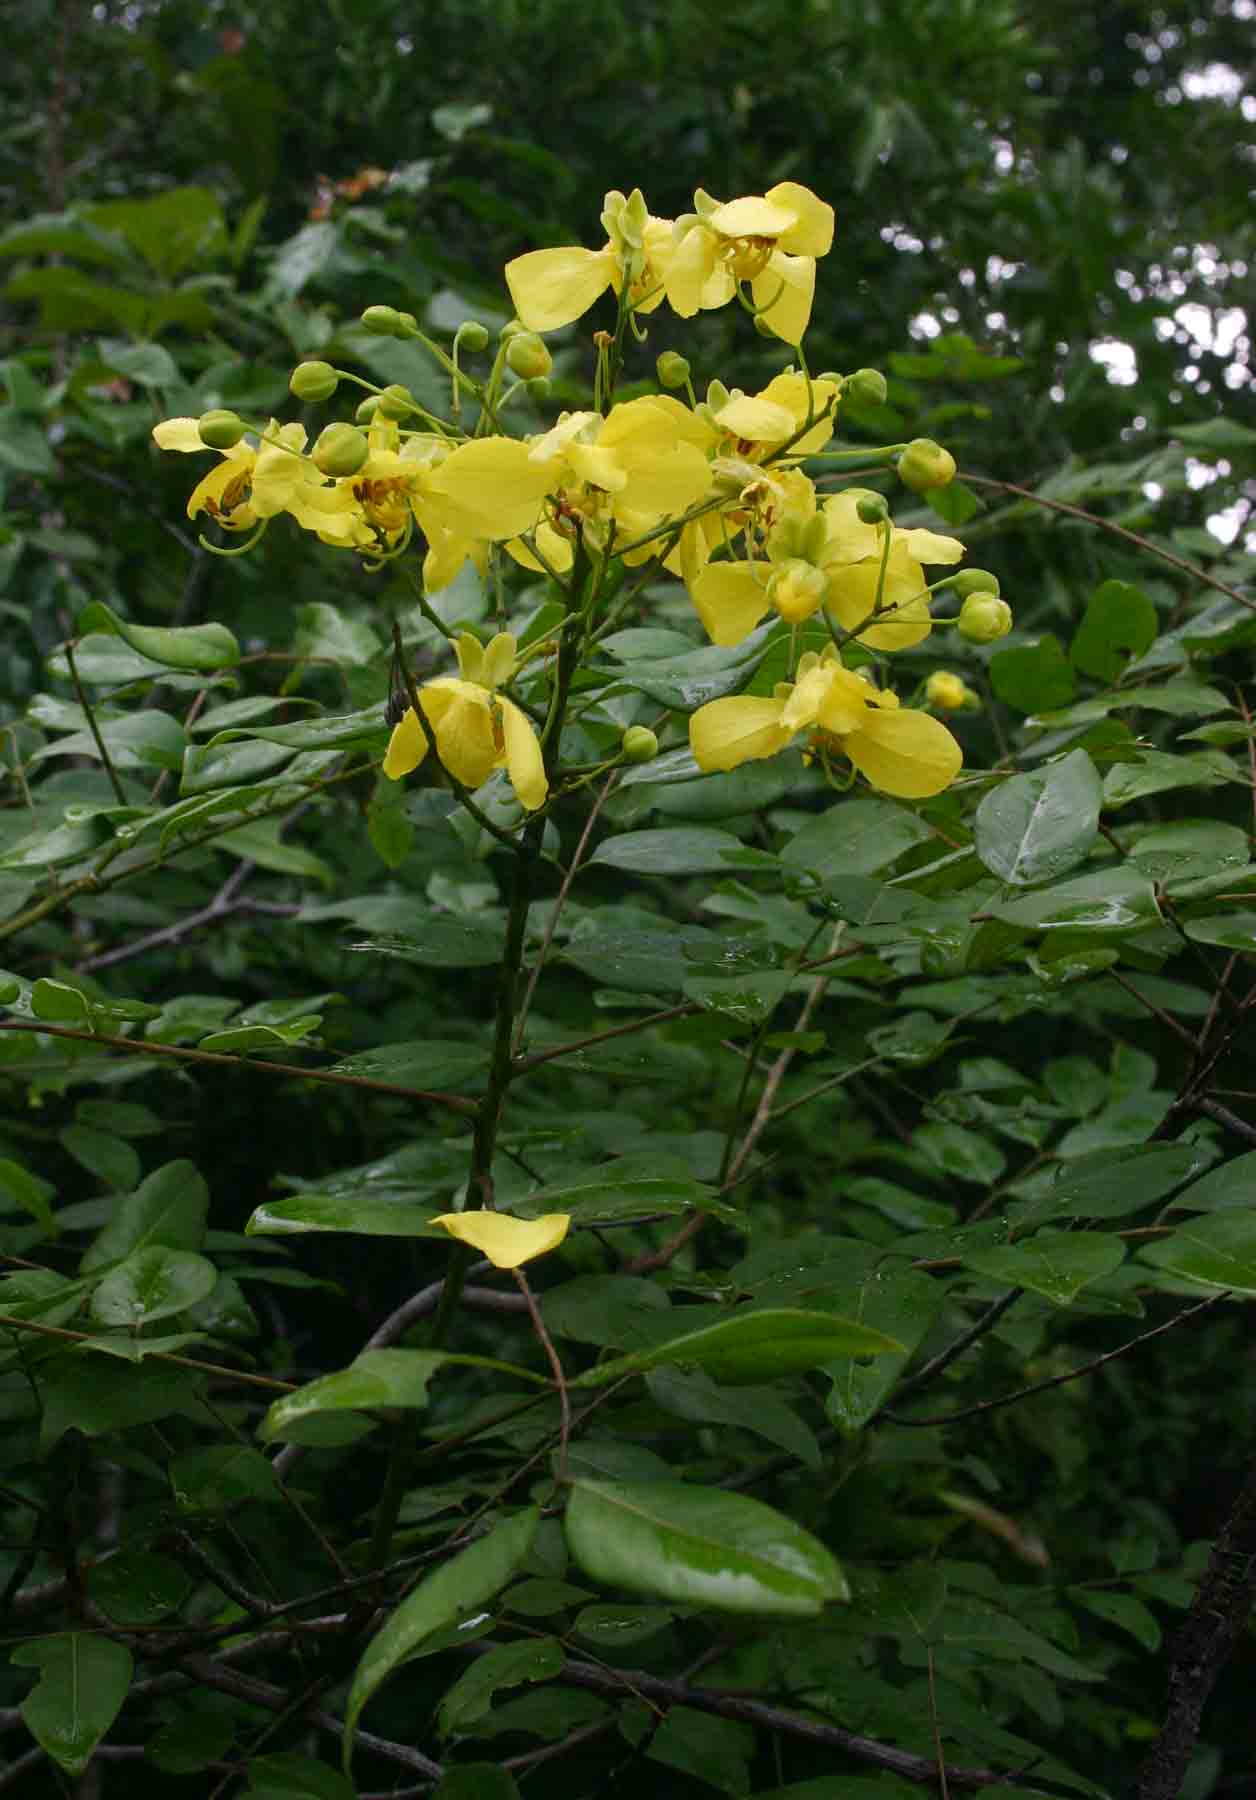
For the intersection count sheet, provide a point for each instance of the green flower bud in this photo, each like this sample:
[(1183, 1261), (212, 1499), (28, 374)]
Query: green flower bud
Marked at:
[(872, 510), (340, 450), (672, 369), (472, 336), (974, 581), (539, 387), (984, 619), (526, 356), (409, 324), (396, 402), (367, 409), (220, 429), (510, 329), (925, 465), (639, 744), (945, 691), (866, 387), (762, 327), (313, 381), (384, 321)]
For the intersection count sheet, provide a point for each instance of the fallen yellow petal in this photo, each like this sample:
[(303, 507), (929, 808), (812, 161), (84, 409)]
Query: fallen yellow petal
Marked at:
[(505, 1240)]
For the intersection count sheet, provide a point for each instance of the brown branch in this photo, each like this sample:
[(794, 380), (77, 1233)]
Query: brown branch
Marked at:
[(1203, 1646), (142, 1047)]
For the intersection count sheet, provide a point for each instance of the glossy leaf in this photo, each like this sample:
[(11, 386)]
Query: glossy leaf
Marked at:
[(1119, 623), (700, 1546), (752, 1346), (454, 1592), (376, 1378), (174, 647), (1038, 826), (83, 1681), (1056, 1264), (153, 1283), (1218, 1250)]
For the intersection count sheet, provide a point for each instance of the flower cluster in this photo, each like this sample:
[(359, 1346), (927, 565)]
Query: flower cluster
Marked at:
[(719, 491)]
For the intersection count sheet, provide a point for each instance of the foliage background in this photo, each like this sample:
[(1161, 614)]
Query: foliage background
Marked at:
[(1045, 239)]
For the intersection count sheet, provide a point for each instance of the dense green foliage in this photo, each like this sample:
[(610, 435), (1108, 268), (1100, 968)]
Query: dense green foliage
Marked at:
[(969, 1075)]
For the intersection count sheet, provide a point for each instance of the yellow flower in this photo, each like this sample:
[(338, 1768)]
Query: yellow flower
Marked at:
[(898, 750), (506, 1241), (253, 481), (946, 691), (476, 729), (852, 559), (631, 470), (770, 242), (553, 287)]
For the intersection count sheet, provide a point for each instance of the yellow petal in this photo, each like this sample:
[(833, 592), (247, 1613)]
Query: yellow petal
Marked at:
[(930, 546), (853, 593), (524, 763), (506, 1241), (811, 233), (726, 733), (498, 662), (179, 434), (552, 287), (494, 486), (788, 312), (905, 753), (730, 599), (688, 268), (556, 550), (460, 715), (667, 485), (757, 419), (753, 216), (406, 747), (789, 390)]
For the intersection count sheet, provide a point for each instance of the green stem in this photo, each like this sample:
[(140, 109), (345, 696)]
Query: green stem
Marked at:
[(105, 757)]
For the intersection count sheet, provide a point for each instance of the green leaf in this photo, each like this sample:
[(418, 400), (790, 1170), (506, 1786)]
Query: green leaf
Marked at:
[(510, 1665), (324, 630), (189, 1742), (83, 1681), (669, 851), (428, 1063), (270, 1038), (1121, 1610), (854, 837), (138, 1587), (171, 230), (1119, 623), (1218, 1250), (443, 942), (1033, 677), (490, 1781), (690, 681), (169, 1207), (96, 1394), (18, 1187), (1111, 900), (1228, 931), (1233, 1184), (173, 647), (1159, 771), (368, 1215), (260, 843), (690, 1394), (24, 448), (287, 1775), (752, 1346), (715, 1751), (1056, 1264), (1111, 1185), (220, 1478), (153, 1283), (901, 1302), (959, 1152), (699, 1546), (375, 1378), (628, 1186), (452, 1593), (149, 365), (1038, 826), (105, 1155)]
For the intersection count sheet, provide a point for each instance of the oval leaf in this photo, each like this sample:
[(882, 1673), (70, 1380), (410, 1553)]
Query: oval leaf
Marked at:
[(1038, 826), (175, 647), (152, 1284), (700, 1546), (83, 1680), (452, 1593), (753, 1347)]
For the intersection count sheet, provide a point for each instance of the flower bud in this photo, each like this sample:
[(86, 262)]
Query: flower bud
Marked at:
[(871, 509), (396, 401), (974, 581), (672, 369), (367, 409), (220, 429), (313, 381), (510, 329), (639, 744), (340, 450), (539, 387), (472, 336), (796, 589), (384, 321), (945, 691), (866, 387), (409, 325), (527, 357), (984, 619), (925, 465)]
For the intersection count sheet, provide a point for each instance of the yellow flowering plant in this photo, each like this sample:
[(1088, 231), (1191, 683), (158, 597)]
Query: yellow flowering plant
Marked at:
[(671, 583)]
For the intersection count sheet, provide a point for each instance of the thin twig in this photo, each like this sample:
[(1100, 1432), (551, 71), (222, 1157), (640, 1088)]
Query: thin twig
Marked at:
[(560, 1380), (119, 792)]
